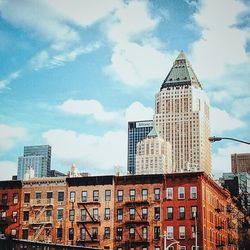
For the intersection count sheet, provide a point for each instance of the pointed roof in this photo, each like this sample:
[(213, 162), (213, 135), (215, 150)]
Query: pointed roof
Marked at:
[(153, 133), (181, 73)]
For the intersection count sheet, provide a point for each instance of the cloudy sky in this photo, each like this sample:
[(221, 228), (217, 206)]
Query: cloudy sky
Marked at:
[(74, 72)]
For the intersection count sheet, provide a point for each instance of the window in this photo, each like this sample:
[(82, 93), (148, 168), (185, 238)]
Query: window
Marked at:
[(71, 233), (107, 195), (4, 199), (38, 197), (182, 248), (181, 232), (157, 248), (25, 215), (107, 233), (60, 196), (132, 194), (59, 233), (72, 214), (107, 214), (49, 215), (131, 213), (170, 213), (25, 233), (156, 233), (119, 214), (83, 214), (157, 194), (170, 232), (72, 196), (193, 231), (170, 193), (14, 216), (82, 233), (94, 233), (95, 214), (120, 195), (27, 198), (193, 192), (144, 212), (181, 193), (3, 215), (95, 195), (144, 194), (49, 195), (144, 233), (13, 233), (60, 214), (157, 213), (84, 196), (132, 233), (194, 212), (119, 233), (181, 213), (15, 198)]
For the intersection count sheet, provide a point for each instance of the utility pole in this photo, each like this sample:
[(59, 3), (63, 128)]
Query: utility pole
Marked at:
[(196, 234)]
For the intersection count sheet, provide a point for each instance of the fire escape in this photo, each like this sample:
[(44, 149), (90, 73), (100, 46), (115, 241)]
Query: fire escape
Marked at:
[(137, 220), (89, 221), (42, 221)]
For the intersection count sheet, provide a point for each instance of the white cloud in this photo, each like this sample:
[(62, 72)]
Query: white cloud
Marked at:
[(137, 58), (240, 106), (221, 42), (84, 12), (94, 153), (8, 169), (137, 111), (222, 121), (9, 136), (5, 82), (88, 108), (222, 158)]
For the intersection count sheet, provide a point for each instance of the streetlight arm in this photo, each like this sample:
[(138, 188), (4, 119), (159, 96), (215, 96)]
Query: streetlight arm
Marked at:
[(215, 138)]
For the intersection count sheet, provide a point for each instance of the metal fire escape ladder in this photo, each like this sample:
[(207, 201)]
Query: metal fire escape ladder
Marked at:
[(37, 217), (91, 217), (89, 234), (38, 232)]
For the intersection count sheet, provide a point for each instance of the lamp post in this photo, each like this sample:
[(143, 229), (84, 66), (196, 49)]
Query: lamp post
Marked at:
[(165, 247), (216, 138)]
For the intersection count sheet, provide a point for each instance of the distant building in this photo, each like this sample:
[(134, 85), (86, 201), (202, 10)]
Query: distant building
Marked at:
[(182, 118), (37, 157), (153, 155), (137, 131), (56, 173), (240, 163)]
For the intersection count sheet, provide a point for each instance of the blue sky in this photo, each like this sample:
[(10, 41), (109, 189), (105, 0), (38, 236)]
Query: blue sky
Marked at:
[(74, 72)]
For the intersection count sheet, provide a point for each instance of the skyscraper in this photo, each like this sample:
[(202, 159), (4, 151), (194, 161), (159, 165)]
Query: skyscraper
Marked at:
[(240, 163), (137, 131), (153, 155), (37, 157), (182, 118)]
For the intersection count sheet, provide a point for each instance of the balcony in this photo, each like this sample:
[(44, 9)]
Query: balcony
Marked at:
[(136, 203), (47, 220), (137, 242), (86, 220), (85, 203), (136, 222), (93, 239), (42, 202)]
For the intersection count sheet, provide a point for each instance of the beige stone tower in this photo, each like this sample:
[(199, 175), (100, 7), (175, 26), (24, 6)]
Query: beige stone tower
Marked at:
[(154, 155), (182, 118)]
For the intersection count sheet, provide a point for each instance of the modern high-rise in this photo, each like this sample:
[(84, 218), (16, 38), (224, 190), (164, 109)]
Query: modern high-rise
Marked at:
[(37, 157), (182, 118), (240, 163), (153, 155), (137, 131)]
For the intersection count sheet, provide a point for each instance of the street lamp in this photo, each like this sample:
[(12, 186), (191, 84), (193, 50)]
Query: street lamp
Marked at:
[(215, 139), (165, 247)]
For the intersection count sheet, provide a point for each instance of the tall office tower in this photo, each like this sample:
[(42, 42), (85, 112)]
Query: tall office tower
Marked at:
[(37, 157), (240, 163), (182, 118), (153, 155), (137, 131)]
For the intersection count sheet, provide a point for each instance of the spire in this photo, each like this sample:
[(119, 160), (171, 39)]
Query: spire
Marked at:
[(181, 73), (153, 133)]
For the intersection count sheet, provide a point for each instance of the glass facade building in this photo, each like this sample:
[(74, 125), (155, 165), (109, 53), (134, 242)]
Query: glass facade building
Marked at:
[(38, 157), (137, 131)]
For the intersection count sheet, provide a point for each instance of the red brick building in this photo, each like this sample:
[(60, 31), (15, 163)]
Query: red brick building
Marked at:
[(10, 195)]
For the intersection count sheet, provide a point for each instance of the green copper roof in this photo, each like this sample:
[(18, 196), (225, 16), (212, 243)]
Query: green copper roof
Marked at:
[(181, 73), (153, 133)]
